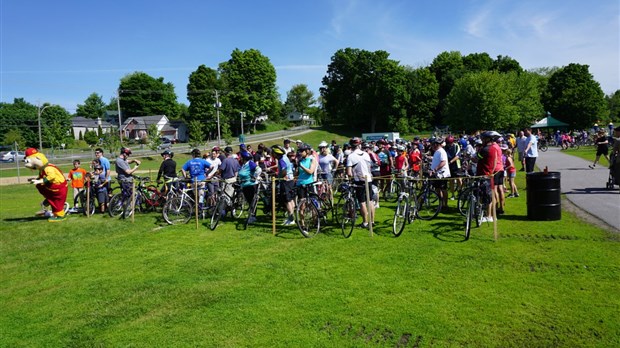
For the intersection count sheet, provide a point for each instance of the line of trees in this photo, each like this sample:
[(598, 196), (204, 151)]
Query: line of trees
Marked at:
[(363, 89)]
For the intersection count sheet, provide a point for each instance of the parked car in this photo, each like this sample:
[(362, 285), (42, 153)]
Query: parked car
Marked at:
[(165, 144), (10, 156)]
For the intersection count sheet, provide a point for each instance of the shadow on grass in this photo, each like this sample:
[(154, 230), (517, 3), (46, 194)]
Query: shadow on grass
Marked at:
[(25, 219)]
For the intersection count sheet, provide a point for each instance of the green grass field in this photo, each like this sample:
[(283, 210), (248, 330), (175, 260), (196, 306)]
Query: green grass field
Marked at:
[(106, 282)]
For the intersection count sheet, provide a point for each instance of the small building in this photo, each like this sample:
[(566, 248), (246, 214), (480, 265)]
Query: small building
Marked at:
[(81, 125), (300, 118), (137, 127)]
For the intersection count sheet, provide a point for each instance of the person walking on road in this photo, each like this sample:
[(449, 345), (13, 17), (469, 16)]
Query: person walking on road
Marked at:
[(531, 150), (602, 148)]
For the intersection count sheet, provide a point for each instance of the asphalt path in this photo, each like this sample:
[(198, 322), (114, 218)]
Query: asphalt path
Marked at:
[(584, 187)]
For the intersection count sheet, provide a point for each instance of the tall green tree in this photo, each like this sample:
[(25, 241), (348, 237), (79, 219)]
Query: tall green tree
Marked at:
[(93, 107), (201, 93), (506, 64), (424, 90), (448, 67), (143, 95), (573, 96), (299, 98), (493, 100), (21, 116), (477, 62), (196, 134), (249, 80), (613, 104), (56, 123), (364, 89)]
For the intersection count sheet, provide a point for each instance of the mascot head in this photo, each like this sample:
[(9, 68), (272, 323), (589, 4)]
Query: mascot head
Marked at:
[(35, 159)]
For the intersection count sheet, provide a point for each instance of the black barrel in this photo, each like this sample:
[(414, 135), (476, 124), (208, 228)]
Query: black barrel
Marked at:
[(543, 196)]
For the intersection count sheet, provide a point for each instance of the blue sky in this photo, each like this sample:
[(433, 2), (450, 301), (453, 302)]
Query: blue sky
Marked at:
[(60, 52)]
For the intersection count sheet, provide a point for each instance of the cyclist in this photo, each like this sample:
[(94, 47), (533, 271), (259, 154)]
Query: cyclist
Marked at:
[(248, 175), (306, 169), (358, 167), (123, 170), (196, 169), (285, 182), (453, 150), (327, 162), (602, 147), (167, 169), (487, 159)]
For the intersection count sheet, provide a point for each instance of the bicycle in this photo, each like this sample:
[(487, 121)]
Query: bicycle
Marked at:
[(474, 204), (313, 208), (148, 198), (348, 210), (181, 204), (405, 212), (235, 203), (390, 189), (428, 202)]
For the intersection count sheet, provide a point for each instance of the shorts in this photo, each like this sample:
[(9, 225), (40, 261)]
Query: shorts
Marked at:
[(360, 192), (602, 152), (512, 175), (498, 178), (287, 191), (440, 184)]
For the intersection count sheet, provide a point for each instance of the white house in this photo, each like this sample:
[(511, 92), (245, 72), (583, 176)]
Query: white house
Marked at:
[(82, 125), (137, 127), (300, 118)]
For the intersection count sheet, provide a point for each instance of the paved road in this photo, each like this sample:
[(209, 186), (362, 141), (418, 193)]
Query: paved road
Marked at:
[(584, 187)]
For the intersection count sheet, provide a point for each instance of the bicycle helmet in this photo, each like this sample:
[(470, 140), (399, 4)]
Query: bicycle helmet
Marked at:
[(278, 150), (228, 149), (245, 155), (303, 147), (167, 152), (323, 144), (355, 141), (365, 145), (195, 152), (438, 140), (449, 139), (490, 134), (215, 148), (125, 151)]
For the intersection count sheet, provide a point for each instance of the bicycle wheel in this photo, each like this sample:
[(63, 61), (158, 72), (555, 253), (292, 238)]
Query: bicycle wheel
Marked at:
[(471, 215), (177, 211), (216, 215), (153, 198), (478, 211), (543, 148), (307, 217), (116, 205), (239, 204), (251, 210), (81, 200), (461, 203), (390, 194), (400, 215), (576, 146), (337, 210), (429, 205), (347, 217)]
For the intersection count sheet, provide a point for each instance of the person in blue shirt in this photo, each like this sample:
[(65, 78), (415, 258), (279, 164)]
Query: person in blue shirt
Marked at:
[(248, 176), (196, 169), (307, 167)]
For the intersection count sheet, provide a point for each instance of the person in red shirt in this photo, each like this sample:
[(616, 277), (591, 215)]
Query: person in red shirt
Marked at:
[(487, 159), (400, 161), (415, 157)]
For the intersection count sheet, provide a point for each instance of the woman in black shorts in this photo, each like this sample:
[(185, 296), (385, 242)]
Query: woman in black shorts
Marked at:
[(602, 147)]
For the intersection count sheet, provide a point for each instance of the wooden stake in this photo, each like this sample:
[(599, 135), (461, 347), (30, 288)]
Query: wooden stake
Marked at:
[(133, 200), (273, 205), (368, 215)]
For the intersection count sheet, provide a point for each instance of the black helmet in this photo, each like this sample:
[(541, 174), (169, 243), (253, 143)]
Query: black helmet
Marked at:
[(168, 152), (490, 134), (195, 152), (228, 149), (125, 151)]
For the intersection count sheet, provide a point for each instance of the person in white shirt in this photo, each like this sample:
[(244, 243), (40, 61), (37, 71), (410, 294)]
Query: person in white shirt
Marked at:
[(440, 169), (358, 167)]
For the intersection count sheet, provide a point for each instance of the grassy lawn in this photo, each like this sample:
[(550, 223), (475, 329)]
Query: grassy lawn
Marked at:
[(106, 282)]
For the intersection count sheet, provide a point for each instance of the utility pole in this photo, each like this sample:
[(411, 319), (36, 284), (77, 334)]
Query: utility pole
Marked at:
[(118, 106), (218, 105), (242, 114)]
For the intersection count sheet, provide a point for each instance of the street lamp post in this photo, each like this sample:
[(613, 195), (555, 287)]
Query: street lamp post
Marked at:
[(40, 111), (242, 115), (217, 106)]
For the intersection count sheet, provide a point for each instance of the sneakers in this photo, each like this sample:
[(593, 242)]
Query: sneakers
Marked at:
[(72, 210), (289, 221), (251, 219), (592, 166), (516, 195), (56, 219), (510, 196), (363, 225), (486, 219)]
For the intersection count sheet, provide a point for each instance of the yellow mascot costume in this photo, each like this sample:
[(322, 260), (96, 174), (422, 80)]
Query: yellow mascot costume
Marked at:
[(51, 183)]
